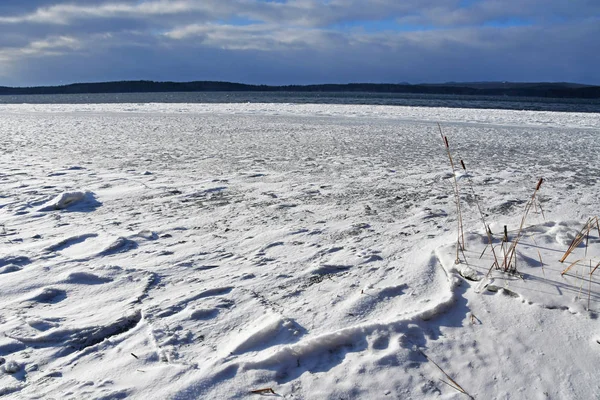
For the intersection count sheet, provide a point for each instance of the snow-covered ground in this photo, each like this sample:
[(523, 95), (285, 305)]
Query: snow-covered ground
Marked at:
[(192, 251)]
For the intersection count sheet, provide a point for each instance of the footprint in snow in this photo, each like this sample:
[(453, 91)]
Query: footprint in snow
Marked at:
[(328, 269), (369, 256), (41, 324), (85, 278), (14, 260), (9, 268), (272, 245), (120, 245), (392, 291), (204, 313), (48, 295)]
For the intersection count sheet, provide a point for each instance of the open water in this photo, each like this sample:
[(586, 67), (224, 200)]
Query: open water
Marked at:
[(394, 99)]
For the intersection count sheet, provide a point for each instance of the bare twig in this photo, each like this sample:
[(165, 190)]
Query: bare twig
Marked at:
[(263, 391)]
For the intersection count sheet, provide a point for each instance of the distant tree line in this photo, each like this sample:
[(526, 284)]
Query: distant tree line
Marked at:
[(554, 90)]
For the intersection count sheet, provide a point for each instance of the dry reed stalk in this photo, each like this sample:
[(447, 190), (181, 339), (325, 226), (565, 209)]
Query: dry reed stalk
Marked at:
[(541, 263), (535, 208), (585, 231), (542, 210), (484, 249), (485, 225), (595, 268), (498, 267), (508, 263), (460, 241), (571, 266), (581, 286), (590, 287), (590, 283), (587, 241), (454, 384)]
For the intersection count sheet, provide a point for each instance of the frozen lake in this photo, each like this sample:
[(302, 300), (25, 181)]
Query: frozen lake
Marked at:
[(211, 250)]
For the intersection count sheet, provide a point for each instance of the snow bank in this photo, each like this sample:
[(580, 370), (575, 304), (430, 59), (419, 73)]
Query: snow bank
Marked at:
[(82, 201)]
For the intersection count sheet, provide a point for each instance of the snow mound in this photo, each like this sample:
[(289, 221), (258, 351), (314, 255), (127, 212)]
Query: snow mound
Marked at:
[(85, 201), (270, 331)]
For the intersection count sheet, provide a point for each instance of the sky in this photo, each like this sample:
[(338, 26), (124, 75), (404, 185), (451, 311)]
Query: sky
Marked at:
[(49, 42)]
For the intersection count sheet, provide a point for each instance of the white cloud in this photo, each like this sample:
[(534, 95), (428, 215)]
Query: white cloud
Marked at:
[(52, 46), (66, 13), (275, 38), (11, 57), (325, 34), (263, 37), (308, 13)]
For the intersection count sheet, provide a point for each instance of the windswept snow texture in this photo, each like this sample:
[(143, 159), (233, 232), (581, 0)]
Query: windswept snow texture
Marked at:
[(156, 251)]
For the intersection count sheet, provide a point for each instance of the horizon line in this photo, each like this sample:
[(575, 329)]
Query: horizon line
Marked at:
[(453, 83)]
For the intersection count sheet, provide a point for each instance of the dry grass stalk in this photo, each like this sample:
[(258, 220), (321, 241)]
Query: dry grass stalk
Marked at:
[(536, 205), (542, 210), (509, 263), (582, 234), (580, 286), (541, 263), (571, 266), (595, 268), (485, 225), (590, 287), (453, 384), (460, 241), (587, 241), (590, 283), (503, 251), (484, 249)]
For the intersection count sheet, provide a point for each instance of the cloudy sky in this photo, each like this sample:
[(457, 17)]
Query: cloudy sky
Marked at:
[(299, 41)]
